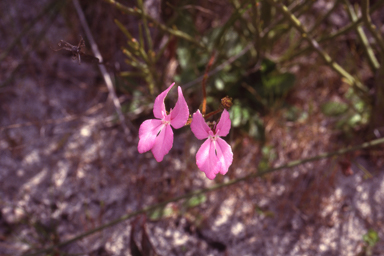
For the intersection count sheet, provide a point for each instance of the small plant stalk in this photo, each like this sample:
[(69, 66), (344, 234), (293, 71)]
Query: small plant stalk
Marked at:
[(204, 82), (360, 88), (373, 63), (371, 26), (172, 31)]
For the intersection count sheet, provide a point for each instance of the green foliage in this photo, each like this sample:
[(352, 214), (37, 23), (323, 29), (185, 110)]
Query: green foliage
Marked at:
[(334, 108), (371, 238), (162, 212), (171, 210), (349, 116), (247, 120), (253, 78), (195, 201), (257, 83), (265, 213), (268, 156), (293, 114), (262, 89)]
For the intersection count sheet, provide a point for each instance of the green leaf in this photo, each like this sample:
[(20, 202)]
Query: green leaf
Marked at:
[(371, 237), (162, 212), (236, 115), (256, 128), (184, 57), (267, 66), (195, 201), (292, 114), (334, 108), (278, 84)]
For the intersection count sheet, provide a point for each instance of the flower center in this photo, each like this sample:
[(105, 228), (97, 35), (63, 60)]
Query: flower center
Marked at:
[(212, 136), (167, 119)]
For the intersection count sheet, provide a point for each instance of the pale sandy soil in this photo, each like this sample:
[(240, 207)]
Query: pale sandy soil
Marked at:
[(68, 167)]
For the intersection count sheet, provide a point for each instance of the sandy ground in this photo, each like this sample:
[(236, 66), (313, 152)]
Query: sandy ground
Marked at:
[(66, 167)]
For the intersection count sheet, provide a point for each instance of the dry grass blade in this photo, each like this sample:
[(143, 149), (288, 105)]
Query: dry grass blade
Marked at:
[(103, 70)]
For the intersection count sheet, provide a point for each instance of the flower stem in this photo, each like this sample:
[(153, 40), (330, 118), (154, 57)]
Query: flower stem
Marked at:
[(207, 115), (213, 113), (204, 82)]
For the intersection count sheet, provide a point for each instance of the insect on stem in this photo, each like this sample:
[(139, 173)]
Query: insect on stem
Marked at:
[(76, 51)]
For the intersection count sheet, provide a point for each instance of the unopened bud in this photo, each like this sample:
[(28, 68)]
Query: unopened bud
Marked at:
[(226, 102)]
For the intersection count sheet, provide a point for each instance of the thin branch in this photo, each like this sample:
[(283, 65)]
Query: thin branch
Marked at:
[(146, 29), (373, 63), (371, 26), (292, 48), (175, 32), (315, 45), (103, 70), (320, 20), (333, 36)]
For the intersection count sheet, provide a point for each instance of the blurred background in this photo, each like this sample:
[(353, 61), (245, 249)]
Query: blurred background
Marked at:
[(305, 78)]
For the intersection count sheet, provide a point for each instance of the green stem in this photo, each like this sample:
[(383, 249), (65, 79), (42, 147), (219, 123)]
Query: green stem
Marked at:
[(314, 44), (213, 113), (175, 32), (204, 82), (319, 21), (238, 12), (279, 22), (206, 116), (210, 189), (373, 63), (256, 24), (145, 24), (302, 8), (333, 36), (297, 45), (371, 27)]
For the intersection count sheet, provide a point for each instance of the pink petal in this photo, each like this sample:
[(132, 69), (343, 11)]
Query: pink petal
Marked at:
[(224, 154), (224, 125), (180, 114), (163, 143), (199, 127), (159, 106), (147, 133), (206, 159)]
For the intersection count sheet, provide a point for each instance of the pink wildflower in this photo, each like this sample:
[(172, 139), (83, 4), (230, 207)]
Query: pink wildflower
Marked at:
[(157, 134), (215, 155)]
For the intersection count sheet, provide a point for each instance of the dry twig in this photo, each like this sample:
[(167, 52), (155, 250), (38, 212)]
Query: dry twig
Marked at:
[(103, 70)]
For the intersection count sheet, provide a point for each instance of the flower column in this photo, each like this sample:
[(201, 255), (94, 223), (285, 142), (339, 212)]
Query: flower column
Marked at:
[(215, 155), (156, 134)]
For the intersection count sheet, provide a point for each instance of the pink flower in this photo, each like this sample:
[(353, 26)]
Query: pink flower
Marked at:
[(157, 134), (215, 155)]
